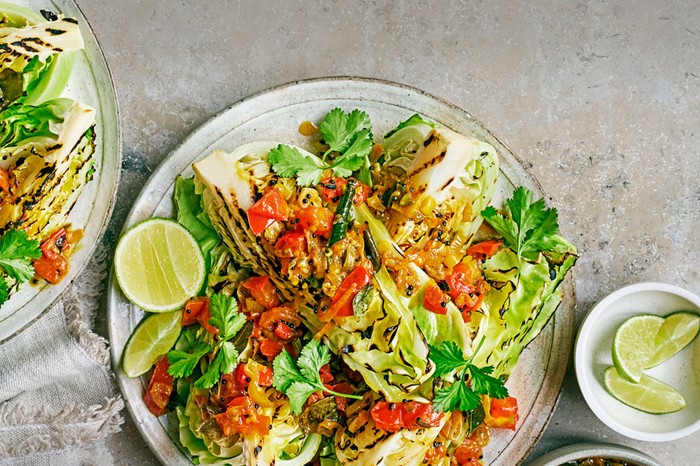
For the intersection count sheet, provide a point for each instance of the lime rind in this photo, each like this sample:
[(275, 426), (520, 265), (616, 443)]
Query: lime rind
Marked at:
[(649, 395), (152, 338), (160, 269), (677, 331), (633, 345)]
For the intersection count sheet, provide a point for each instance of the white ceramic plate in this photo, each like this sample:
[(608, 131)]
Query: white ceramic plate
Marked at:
[(682, 371), (275, 115), (90, 83)]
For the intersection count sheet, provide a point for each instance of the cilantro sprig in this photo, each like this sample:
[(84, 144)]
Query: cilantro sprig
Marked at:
[(300, 379), (471, 380), (225, 317), (16, 254), (526, 226), (347, 134)]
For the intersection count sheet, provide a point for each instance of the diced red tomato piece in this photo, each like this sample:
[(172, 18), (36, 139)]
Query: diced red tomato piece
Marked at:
[(265, 376), (241, 417), (317, 220), (270, 349), (197, 310), (332, 188), (263, 291), (502, 413), (51, 270), (468, 456), (159, 388), (393, 417), (467, 288), (291, 244), (283, 331), (267, 210), (325, 373), (484, 249), (435, 300), (53, 245), (193, 308), (341, 305)]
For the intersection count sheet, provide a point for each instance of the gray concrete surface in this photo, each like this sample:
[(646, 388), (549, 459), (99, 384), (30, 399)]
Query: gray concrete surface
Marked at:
[(599, 98)]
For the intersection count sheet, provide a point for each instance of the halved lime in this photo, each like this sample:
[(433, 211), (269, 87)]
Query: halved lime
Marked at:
[(649, 395), (151, 339), (678, 329), (634, 344), (159, 265)]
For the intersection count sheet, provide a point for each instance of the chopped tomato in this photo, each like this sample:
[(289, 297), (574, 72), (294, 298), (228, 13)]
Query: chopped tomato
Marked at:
[(340, 401), (435, 300), (241, 417), (52, 247), (197, 310), (325, 373), (193, 308), (332, 188), (341, 306), (467, 288), (267, 210), (393, 417), (284, 331), (160, 388), (502, 413), (468, 456), (263, 291), (265, 376), (291, 244), (317, 220), (50, 270), (270, 349), (484, 249), (4, 180)]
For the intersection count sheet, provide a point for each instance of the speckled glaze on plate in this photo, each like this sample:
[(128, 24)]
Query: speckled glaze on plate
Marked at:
[(581, 451), (90, 83), (275, 115)]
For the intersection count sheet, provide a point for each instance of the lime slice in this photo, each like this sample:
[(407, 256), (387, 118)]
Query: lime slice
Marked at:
[(159, 265), (151, 339), (634, 344), (649, 395), (678, 329)]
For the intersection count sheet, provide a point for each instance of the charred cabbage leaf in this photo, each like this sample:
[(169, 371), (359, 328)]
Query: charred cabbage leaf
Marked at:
[(36, 56), (49, 166)]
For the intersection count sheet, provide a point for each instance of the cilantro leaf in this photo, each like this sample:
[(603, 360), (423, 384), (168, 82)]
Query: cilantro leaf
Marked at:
[(529, 227), (456, 397), (229, 357), (287, 162), (211, 376), (299, 379), (339, 128), (285, 371), (355, 156), (482, 383), (225, 315), (16, 250), (470, 380), (447, 357), (182, 363), (298, 393)]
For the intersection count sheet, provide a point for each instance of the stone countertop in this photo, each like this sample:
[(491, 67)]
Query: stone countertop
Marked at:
[(600, 99)]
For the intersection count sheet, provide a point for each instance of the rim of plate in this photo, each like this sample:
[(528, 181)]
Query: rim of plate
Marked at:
[(169, 168), (582, 359)]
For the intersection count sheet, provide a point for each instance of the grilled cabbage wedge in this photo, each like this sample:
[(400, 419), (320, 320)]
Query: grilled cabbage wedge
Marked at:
[(50, 164), (36, 55), (445, 180)]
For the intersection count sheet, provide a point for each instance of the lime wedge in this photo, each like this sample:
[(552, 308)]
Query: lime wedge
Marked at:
[(159, 265), (634, 344), (151, 339), (649, 395), (678, 329)]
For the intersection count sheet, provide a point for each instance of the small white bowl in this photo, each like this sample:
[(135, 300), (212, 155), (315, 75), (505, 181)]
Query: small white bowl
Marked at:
[(593, 354)]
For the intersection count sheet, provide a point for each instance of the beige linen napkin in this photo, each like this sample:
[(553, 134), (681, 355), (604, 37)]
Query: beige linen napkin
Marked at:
[(57, 397)]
